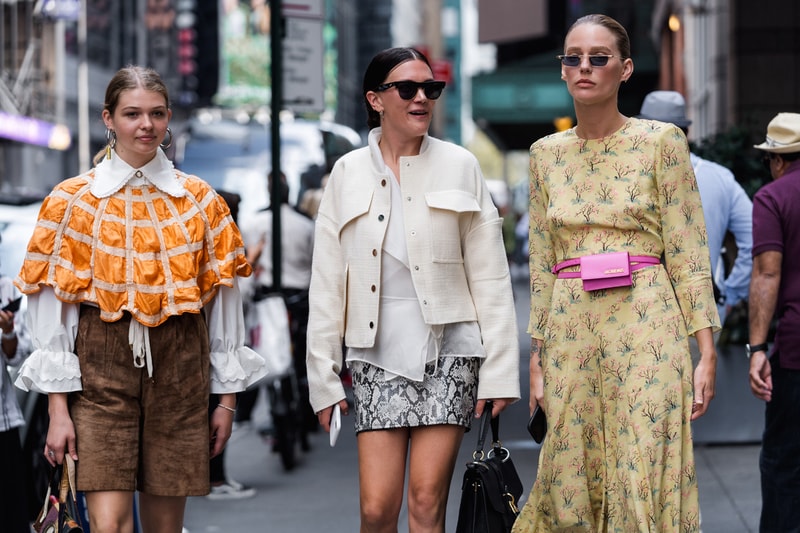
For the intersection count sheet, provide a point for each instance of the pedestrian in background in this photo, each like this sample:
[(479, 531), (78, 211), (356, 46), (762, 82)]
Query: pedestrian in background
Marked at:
[(726, 207), (135, 314), (410, 273), (15, 346), (297, 247), (612, 367), (775, 293), (222, 487)]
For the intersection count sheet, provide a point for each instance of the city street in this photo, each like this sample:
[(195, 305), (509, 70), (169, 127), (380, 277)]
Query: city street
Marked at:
[(321, 494)]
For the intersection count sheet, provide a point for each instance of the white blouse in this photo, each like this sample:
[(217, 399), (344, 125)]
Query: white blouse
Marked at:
[(404, 343)]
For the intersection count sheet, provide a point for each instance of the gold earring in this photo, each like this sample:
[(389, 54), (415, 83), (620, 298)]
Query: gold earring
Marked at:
[(111, 141)]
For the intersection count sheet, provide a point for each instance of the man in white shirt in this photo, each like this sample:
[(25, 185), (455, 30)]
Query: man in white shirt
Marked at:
[(297, 246), (726, 206)]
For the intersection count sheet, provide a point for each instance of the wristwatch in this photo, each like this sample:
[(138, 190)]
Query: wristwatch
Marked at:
[(763, 347)]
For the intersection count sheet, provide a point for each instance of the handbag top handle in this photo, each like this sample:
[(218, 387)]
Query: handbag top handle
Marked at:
[(484, 430), (69, 485)]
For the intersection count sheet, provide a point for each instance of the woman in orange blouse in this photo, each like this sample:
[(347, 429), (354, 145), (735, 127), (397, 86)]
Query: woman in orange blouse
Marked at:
[(131, 277)]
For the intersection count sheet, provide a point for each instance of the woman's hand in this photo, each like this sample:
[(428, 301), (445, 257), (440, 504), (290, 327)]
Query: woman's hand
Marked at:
[(705, 374), (324, 416), (221, 424), (60, 432), (536, 376), (6, 321), (498, 404)]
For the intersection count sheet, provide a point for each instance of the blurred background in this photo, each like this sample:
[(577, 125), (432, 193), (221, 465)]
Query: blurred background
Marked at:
[(736, 61)]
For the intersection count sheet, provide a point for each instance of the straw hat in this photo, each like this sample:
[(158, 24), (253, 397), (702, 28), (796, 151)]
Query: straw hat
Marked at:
[(783, 134), (666, 106)]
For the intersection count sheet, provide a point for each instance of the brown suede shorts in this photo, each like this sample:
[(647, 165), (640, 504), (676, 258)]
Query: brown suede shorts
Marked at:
[(137, 433)]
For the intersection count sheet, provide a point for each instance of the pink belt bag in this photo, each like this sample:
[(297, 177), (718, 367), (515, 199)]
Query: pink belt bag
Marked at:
[(605, 271)]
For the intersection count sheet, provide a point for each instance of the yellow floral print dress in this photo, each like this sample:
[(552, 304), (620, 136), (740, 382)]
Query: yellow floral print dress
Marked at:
[(617, 368)]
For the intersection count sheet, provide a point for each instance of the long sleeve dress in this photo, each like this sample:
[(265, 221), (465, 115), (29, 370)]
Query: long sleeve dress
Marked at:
[(617, 368)]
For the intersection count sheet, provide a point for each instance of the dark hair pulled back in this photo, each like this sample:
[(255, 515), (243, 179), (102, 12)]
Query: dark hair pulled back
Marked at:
[(379, 68)]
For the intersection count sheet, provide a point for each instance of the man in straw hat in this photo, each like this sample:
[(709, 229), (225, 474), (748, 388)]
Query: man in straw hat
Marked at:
[(775, 291), (726, 207)]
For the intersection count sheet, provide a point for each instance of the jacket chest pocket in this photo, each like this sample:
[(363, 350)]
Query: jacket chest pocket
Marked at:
[(447, 209)]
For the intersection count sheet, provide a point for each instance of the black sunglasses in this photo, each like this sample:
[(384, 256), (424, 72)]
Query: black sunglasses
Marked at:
[(408, 89), (573, 60)]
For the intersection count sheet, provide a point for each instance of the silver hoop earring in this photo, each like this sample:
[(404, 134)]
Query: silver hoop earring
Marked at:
[(111, 142), (165, 146)]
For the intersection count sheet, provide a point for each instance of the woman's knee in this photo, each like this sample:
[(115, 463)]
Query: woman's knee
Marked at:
[(110, 511), (106, 522), (427, 505), (378, 514)]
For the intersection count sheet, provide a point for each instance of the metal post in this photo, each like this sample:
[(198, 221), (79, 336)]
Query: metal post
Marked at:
[(84, 159), (276, 51), (59, 38)]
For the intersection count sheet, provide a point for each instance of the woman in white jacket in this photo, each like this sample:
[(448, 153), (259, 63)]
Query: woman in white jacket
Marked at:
[(410, 274)]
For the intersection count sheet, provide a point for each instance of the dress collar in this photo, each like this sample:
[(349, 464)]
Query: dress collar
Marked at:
[(113, 174)]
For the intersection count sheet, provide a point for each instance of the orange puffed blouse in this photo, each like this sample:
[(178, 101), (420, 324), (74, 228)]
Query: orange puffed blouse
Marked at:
[(137, 250)]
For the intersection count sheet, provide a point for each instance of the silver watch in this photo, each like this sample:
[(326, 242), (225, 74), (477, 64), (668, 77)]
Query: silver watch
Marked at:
[(751, 349)]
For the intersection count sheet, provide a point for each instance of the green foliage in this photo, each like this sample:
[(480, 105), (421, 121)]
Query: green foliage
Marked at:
[(733, 149)]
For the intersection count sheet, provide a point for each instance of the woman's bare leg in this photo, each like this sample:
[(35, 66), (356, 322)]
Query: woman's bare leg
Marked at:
[(433, 454), (381, 474), (161, 514), (110, 511)]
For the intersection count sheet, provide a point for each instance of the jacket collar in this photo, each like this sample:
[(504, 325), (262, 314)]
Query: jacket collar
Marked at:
[(374, 138), (113, 174)]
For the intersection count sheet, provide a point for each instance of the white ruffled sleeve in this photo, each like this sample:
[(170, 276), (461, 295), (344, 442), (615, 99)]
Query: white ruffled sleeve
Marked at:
[(53, 365), (234, 366)]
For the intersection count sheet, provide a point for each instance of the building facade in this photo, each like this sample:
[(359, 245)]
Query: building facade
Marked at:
[(57, 57), (737, 62)]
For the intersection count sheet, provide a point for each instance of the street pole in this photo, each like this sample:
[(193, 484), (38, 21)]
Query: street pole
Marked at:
[(84, 159), (59, 32), (276, 77)]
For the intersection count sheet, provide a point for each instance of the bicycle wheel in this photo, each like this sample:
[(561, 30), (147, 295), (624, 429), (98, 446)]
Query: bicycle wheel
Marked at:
[(284, 419)]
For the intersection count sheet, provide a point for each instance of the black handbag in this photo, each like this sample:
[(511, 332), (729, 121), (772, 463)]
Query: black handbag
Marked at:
[(491, 488)]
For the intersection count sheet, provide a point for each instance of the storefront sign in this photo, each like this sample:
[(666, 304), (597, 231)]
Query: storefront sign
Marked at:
[(32, 131)]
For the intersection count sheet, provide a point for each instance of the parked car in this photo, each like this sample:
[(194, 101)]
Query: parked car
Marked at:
[(234, 153), (18, 215)]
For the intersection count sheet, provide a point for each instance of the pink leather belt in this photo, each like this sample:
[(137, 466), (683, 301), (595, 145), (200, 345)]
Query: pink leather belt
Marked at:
[(637, 262)]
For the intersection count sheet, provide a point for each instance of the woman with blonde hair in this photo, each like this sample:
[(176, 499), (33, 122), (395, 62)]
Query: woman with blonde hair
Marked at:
[(131, 277), (610, 360)]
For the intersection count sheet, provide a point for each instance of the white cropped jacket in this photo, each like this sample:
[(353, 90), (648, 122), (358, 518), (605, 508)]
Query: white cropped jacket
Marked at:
[(455, 250)]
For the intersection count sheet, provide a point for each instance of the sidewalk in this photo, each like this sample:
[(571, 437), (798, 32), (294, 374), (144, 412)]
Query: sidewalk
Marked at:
[(730, 494), (321, 493)]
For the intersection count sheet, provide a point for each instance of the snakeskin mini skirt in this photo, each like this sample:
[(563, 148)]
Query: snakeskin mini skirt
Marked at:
[(446, 395)]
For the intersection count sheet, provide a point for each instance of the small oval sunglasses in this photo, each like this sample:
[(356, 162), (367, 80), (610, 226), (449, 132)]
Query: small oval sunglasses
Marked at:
[(408, 89), (573, 60)]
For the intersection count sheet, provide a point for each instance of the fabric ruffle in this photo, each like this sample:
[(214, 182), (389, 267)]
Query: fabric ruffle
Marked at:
[(235, 370), (47, 371)]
